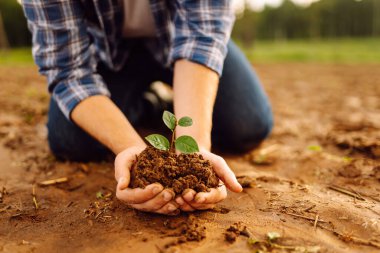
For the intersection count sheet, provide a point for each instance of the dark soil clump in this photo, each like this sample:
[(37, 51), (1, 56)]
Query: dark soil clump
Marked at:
[(376, 172), (350, 171), (234, 231), (185, 230), (179, 172)]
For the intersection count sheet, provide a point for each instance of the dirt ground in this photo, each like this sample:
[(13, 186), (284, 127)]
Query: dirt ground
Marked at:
[(315, 181)]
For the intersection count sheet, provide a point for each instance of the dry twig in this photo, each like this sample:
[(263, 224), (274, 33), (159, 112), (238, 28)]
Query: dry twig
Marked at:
[(54, 181), (345, 191), (34, 197), (303, 217), (316, 221), (349, 238), (309, 208)]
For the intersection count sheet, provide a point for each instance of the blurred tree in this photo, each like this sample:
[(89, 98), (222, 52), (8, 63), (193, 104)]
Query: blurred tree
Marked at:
[(376, 18), (322, 19), (14, 23), (3, 36), (244, 30)]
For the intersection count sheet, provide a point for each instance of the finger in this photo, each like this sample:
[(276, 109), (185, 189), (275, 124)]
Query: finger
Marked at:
[(203, 206), (138, 195), (214, 196), (169, 209), (188, 195), (157, 202), (224, 172), (187, 208), (183, 205), (124, 162)]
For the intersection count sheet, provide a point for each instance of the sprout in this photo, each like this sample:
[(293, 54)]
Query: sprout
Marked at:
[(185, 144)]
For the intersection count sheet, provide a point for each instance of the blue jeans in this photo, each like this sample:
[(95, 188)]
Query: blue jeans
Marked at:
[(242, 116)]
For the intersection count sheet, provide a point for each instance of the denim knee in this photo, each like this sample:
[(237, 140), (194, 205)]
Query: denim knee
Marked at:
[(244, 138), (260, 130)]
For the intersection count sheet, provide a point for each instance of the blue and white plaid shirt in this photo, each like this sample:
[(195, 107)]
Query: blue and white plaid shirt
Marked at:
[(71, 36)]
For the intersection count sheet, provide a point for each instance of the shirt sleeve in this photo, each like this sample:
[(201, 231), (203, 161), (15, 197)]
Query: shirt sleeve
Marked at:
[(62, 51), (202, 31)]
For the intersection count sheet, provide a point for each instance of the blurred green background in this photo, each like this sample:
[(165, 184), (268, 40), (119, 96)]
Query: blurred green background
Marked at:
[(325, 31)]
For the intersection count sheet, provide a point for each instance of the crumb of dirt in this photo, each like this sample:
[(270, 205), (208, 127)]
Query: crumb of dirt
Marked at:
[(245, 181), (365, 143), (3, 192), (100, 210), (234, 231), (350, 171), (221, 210), (268, 179), (186, 230), (376, 172), (231, 237), (179, 172)]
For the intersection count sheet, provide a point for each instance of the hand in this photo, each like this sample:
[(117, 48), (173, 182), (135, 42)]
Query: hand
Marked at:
[(190, 200), (153, 198)]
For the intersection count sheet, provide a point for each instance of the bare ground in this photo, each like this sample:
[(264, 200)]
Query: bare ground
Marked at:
[(315, 181)]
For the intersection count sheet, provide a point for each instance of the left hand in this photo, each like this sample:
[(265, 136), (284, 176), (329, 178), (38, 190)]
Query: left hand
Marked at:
[(190, 200)]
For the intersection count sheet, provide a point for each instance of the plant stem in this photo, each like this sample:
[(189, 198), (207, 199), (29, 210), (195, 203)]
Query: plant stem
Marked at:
[(173, 138)]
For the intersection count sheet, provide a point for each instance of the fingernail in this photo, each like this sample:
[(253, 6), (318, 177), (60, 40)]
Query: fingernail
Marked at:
[(167, 196), (171, 208), (180, 201), (156, 189), (121, 182), (200, 200), (188, 196)]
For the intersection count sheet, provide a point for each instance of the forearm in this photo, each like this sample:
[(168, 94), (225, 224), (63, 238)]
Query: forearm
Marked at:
[(103, 120), (195, 88)]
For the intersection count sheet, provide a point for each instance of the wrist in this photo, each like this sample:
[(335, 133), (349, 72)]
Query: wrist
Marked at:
[(203, 139), (120, 147)]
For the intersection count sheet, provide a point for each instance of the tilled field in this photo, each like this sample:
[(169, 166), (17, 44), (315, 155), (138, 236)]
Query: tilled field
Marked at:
[(314, 186)]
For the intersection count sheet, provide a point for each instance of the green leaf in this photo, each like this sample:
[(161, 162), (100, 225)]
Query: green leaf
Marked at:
[(186, 144), (169, 120), (316, 148), (158, 141), (252, 241), (99, 195), (272, 236), (347, 159), (185, 121)]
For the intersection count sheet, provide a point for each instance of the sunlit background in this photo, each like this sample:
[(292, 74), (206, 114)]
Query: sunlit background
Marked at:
[(338, 31)]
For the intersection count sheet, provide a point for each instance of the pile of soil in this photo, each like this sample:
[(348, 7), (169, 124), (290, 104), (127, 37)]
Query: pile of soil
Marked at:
[(234, 231), (186, 230), (292, 195), (179, 172)]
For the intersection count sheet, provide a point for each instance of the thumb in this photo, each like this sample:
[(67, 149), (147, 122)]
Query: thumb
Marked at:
[(123, 164), (224, 173), (123, 183)]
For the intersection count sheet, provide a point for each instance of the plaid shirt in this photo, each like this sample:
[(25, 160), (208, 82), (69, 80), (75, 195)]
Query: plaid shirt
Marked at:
[(71, 36)]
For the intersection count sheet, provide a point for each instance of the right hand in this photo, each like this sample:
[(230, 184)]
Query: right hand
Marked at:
[(153, 198)]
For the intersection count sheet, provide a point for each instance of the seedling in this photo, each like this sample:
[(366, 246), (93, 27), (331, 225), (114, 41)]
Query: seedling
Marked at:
[(185, 144), (273, 236)]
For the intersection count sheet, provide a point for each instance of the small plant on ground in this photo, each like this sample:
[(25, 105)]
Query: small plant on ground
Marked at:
[(159, 163), (185, 144)]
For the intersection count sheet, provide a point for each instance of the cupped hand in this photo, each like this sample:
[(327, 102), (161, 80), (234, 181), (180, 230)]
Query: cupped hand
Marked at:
[(153, 198), (190, 200)]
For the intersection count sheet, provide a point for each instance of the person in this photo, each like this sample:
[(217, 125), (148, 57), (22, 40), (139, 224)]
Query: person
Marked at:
[(100, 57)]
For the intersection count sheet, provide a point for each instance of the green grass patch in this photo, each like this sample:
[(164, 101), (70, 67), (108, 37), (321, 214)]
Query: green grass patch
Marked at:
[(346, 51), (18, 56)]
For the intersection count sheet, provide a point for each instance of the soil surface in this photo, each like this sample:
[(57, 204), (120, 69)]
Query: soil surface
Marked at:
[(179, 172), (315, 181)]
